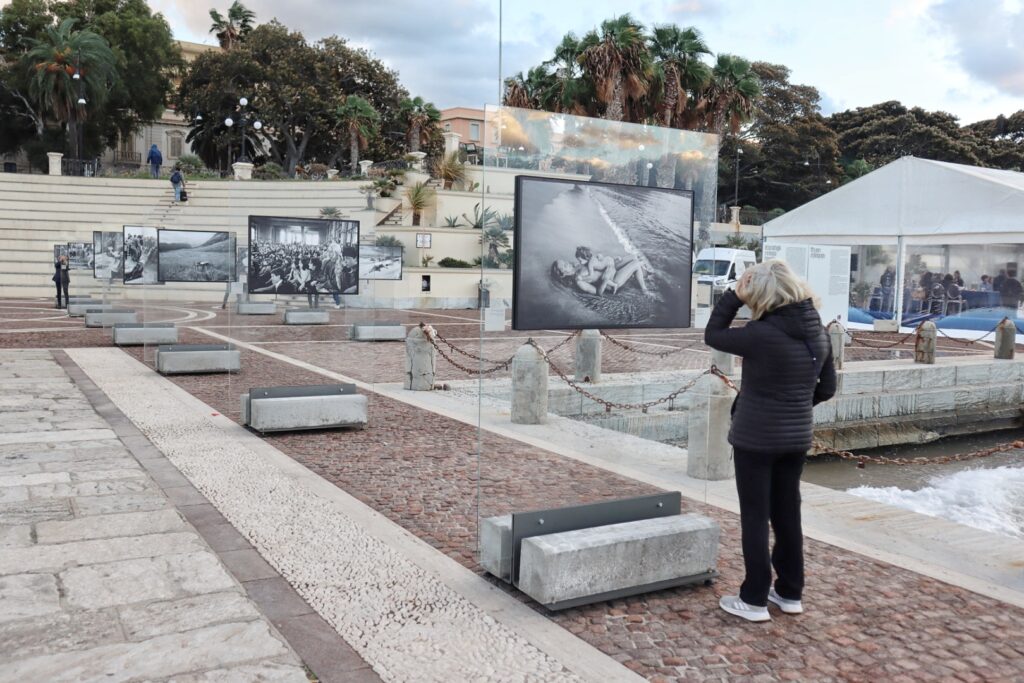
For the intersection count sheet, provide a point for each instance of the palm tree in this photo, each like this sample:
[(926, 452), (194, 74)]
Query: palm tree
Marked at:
[(231, 29), (678, 69), (564, 88), (450, 170), (617, 62), (731, 95), (419, 197), (361, 121), (421, 115), (55, 59), (495, 239), (526, 92)]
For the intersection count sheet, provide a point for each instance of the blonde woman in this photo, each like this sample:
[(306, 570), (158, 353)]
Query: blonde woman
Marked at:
[(787, 370)]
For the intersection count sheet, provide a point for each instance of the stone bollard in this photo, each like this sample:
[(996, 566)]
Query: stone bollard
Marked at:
[(529, 387), (54, 159), (709, 453), (1006, 339), (726, 362), (420, 361), (588, 356), (837, 337), (924, 349)]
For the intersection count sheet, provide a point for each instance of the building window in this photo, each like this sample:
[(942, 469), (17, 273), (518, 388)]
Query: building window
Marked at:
[(175, 146), (447, 128), (474, 132)]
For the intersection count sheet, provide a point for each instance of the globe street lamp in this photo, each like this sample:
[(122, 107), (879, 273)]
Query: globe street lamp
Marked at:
[(229, 122)]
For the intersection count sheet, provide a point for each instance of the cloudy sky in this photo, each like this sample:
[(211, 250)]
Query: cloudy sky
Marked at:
[(961, 56)]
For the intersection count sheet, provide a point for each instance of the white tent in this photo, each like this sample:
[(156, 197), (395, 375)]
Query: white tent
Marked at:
[(921, 201), (911, 202)]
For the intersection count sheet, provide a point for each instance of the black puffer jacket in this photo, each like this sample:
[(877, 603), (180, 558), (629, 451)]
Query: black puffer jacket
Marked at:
[(787, 370)]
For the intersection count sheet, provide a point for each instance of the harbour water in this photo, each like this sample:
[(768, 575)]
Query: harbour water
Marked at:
[(986, 493)]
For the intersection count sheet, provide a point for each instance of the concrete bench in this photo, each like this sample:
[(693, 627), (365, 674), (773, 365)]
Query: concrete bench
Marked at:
[(137, 334), (308, 316), (77, 310), (579, 567), (377, 331), (181, 359), (256, 308), (82, 300), (320, 406), (108, 317)]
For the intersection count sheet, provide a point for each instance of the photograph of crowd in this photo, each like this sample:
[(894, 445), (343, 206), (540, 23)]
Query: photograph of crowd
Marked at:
[(303, 256), (380, 263), (108, 255), (596, 255), (141, 256), (196, 256), (79, 255)]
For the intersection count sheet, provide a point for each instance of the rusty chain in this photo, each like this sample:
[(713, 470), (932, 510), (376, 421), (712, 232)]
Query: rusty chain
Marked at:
[(656, 354), (434, 336), (968, 342), (608, 405)]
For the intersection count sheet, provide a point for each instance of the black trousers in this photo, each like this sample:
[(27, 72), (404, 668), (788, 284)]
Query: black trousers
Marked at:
[(62, 285), (769, 492)]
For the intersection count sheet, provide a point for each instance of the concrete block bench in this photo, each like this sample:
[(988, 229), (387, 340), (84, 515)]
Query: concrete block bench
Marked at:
[(181, 359), (137, 334), (256, 308), (607, 562), (320, 406), (107, 317), (82, 300), (377, 331), (77, 310), (308, 316)]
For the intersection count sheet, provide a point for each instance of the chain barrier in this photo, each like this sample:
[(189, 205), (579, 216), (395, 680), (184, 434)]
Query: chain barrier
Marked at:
[(609, 405), (642, 352), (969, 342), (434, 336)]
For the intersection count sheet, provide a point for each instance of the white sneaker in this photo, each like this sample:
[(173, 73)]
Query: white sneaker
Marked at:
[(337, 306), (733, 605), (787, 606)]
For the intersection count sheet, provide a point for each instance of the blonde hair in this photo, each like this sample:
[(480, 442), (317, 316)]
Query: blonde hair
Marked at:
[(773, 284)]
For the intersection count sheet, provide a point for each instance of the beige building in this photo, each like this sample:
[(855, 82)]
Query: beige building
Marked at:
[(467, 123)]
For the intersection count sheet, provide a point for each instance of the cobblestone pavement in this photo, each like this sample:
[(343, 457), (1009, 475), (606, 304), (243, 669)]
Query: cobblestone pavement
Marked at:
[(866, 620), (100, 577)]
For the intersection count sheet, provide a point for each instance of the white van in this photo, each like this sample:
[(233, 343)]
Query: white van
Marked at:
[(720, 266)]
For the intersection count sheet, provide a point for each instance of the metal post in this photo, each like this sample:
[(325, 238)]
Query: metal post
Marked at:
[(736, 188), (901, 278)]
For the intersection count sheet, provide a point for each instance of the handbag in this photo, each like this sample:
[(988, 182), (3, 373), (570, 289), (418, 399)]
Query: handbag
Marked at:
[(184, 195)]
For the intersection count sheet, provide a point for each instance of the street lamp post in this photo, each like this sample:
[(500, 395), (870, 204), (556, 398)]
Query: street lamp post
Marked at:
[(80, 102), (736, 187), (229, 122)]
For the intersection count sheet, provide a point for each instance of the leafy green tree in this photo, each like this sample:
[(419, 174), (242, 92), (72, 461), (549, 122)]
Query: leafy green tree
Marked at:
[(360, 120), (421, 116), (69, 68), (145, 59), (231, 29), (617, 62)]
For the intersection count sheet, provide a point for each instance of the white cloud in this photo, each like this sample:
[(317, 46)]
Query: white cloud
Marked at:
[(988, 39)]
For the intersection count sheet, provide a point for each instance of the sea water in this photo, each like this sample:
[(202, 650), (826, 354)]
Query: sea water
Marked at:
[(988, 499)]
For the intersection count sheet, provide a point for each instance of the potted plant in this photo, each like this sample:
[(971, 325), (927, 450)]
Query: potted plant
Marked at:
[(450, 170), (426, 261), (419, 197)]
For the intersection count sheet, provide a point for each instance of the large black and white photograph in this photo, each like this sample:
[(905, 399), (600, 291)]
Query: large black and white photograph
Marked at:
[(380, 263), (596, 255), (303, 256), (108, 255), (196, 256), (79, 255), (141, 257)]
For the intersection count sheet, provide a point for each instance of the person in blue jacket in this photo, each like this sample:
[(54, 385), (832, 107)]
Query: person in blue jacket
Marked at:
[(155, 160)]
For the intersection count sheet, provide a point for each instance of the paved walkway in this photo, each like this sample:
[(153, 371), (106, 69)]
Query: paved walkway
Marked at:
[(101, 578)]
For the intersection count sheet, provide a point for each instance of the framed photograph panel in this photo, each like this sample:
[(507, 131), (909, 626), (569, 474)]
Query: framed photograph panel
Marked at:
[(424, 240), (80, 256), (195, 256), (141, 255), (108, 255), (598, 255), (380, 263), (302, 255)]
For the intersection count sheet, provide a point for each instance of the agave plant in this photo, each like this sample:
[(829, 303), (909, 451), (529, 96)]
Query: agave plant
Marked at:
[(451, 222), (330, 212), (494, 239), (481, 218), (419, 197)]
